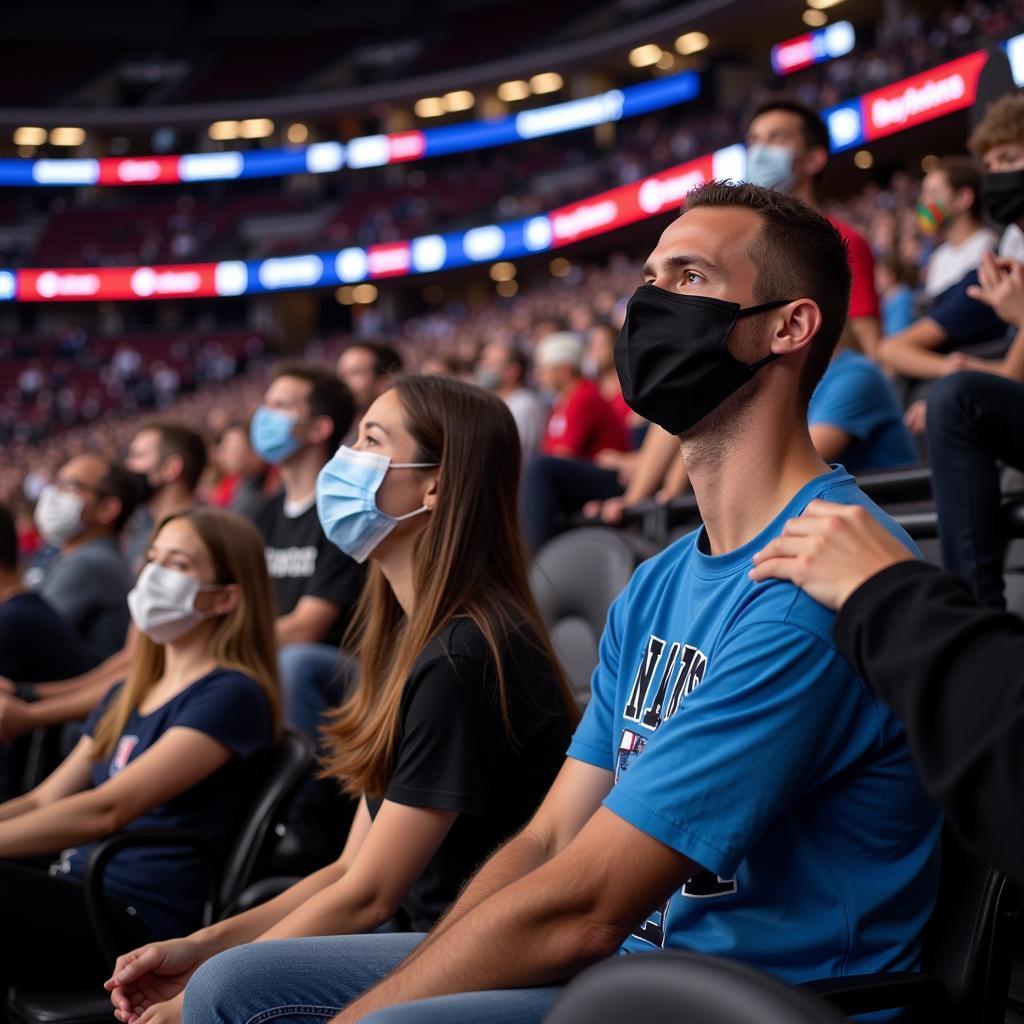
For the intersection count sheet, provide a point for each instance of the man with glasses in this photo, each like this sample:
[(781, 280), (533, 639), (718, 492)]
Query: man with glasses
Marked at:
[(81, 513)]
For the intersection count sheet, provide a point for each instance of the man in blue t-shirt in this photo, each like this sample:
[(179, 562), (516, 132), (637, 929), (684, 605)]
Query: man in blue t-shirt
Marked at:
[(733, 787), (855, 418)]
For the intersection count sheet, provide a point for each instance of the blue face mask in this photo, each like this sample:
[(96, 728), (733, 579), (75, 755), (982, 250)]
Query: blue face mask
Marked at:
[(346, 500), (771, 167), (272, 434)]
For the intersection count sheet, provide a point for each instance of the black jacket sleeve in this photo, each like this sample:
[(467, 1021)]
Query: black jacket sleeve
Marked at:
[(953, 671)]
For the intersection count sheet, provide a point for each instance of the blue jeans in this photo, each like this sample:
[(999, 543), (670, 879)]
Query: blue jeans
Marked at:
[(313, 680), (975, 421), (311, 980)]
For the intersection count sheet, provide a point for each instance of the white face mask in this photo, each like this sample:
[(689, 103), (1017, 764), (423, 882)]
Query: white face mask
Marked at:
[(58, 515), (163, 603)]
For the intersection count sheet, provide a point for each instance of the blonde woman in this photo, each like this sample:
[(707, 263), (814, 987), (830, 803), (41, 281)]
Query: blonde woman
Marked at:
[(170, 748)]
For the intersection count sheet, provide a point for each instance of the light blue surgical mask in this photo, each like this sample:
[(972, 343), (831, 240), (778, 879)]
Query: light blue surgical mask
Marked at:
[(272, 434), (771, 167), (346, 500)]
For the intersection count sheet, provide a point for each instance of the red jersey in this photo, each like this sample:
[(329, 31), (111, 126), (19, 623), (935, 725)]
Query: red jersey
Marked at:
[(863, 297), (584, 423)]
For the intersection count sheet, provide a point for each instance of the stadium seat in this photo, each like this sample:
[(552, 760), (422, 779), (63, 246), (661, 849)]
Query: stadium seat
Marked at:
[(671, 987), (228, 875), (575, 577), (967, 958)]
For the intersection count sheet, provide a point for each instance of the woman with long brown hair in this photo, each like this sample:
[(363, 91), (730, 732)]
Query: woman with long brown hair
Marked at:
[(170, 748), (460, 717)]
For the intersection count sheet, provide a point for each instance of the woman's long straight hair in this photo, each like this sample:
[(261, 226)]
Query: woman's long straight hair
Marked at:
[(469, 561), (242, 640)]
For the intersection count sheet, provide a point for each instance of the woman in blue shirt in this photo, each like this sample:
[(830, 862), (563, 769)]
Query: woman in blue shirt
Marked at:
[(170, 748)]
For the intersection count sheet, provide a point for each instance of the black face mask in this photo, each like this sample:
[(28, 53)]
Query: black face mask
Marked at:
[(143, 487), (673, 358), (1002, 195)]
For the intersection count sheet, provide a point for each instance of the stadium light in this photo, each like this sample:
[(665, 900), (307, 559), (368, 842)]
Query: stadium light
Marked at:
[(667, 61), (460, 99), (344, 295), (256, 128), (503, 271), (29, 136), (929, 163), (863, 159), (559, 266), (67, 137), (297, 133), (644, 56), (691, 42), (513, 91), (815, 18), (429, 106), (823, 5), (364, 294), (546, 81), (506, 289), (222, 131)]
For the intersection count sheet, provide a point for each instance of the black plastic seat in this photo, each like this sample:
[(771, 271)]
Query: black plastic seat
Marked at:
[(575, 577), (672, 987), (228, 874)]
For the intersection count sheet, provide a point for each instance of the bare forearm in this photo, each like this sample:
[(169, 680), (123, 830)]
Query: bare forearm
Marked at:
[(108, 672), (48, 829), (18, 806), (255, 923), (527, 934), (657, 453), (912, 360), (72, 705)]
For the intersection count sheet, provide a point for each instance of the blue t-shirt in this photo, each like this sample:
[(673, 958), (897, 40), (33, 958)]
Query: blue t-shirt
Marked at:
[(740, 737), (897, 310), (166, 885), (854, 396)]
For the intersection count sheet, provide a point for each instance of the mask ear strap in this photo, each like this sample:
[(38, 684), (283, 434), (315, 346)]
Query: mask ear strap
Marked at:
[(763, 307)]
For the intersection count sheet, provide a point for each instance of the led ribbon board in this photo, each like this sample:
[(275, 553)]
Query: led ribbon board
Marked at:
[(366, 151), (886, 111)]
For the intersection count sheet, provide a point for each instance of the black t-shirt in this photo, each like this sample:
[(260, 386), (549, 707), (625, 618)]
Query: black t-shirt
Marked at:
[(301, 560), (37, 645), (455, 754)]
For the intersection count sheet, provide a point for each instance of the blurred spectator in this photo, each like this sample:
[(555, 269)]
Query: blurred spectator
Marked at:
[(242, 472), (894, 282), (82, 514), (502, 368), (950, 207), (367, 369)]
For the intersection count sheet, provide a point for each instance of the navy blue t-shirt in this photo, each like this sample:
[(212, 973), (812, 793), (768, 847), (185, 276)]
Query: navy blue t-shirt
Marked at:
[(966, 321), (855, 397), (166, 885), (37, 644)]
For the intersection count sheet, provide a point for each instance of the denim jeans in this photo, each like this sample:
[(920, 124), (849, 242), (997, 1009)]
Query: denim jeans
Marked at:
[(311, 980), (553, 487), (313, 680), (975, 421)]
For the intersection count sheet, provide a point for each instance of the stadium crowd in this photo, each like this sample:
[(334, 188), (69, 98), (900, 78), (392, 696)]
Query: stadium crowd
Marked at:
[(341, 544)]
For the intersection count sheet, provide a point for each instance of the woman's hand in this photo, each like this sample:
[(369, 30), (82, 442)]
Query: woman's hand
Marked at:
[(161, 1013), (829, 551), (152, 976)]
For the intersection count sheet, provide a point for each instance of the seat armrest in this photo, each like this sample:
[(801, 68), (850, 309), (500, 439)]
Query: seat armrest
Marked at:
[(95, 899), (862, 993)]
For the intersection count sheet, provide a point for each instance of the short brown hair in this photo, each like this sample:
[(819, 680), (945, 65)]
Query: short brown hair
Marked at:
[(328, 396), (962, 172), (177, 439), (1002, 124), (797, 254)]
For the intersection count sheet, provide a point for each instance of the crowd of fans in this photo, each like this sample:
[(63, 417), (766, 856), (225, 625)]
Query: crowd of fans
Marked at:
[(343, 532)]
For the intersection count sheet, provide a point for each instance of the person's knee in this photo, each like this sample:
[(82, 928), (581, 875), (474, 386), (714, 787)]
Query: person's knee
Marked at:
[(952, 404), (215, 985)]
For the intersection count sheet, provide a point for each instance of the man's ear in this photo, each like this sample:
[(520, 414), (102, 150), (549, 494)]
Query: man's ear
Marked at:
[(815, 161), (796, 326), (171, 469), (320, 429)]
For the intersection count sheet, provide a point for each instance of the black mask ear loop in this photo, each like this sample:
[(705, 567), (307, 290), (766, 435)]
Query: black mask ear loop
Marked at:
[(763, 308)]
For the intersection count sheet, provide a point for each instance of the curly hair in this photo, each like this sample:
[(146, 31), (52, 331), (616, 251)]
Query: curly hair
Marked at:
[(1002, 124)]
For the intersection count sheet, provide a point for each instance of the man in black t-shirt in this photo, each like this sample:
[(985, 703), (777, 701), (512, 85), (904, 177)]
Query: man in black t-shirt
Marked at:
[(305, 413)]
